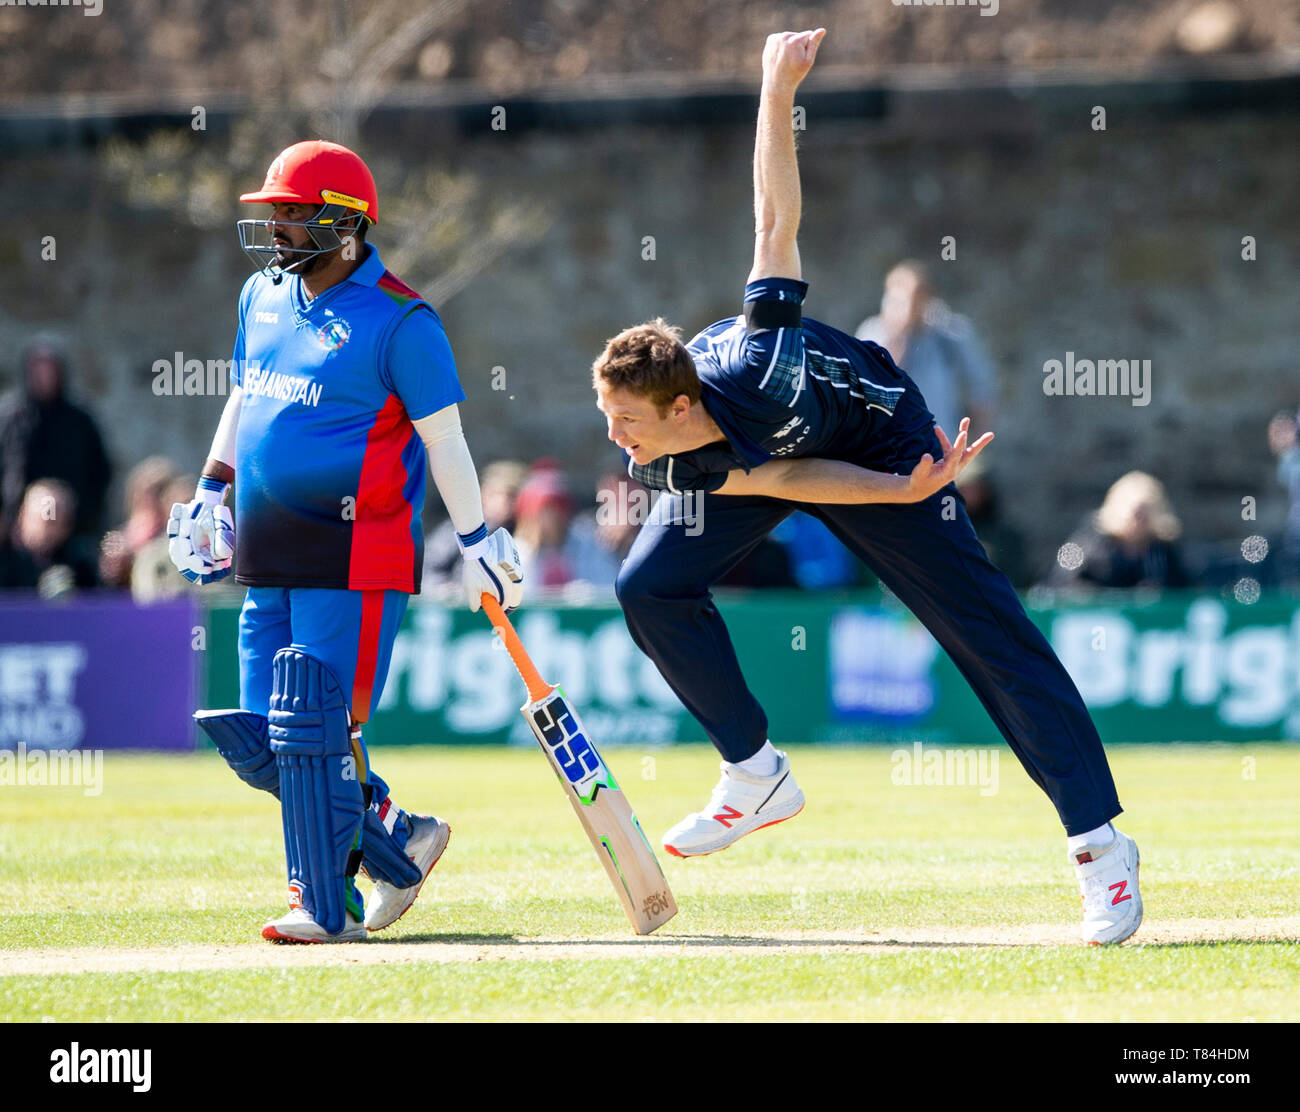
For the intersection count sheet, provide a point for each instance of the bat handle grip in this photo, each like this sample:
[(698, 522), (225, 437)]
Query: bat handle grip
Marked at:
[(538, 688)]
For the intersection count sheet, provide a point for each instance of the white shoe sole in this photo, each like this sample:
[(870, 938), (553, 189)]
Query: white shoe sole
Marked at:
[(428, 859), (272, 933)]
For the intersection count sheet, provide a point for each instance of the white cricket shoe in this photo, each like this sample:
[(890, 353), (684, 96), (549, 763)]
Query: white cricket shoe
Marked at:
[(299, 926), (386, 904), (740, 804), (1108, 884)]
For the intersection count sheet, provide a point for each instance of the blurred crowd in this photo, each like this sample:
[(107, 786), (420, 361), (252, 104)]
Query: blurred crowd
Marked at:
[(58, 536)]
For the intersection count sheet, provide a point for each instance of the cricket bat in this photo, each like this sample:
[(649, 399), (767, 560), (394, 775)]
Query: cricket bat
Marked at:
[(597, 800)]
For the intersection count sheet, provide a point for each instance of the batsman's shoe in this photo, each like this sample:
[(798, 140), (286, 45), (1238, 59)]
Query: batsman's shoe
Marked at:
[(299, 926), (386, 903), (1108, 883), (740, 804)]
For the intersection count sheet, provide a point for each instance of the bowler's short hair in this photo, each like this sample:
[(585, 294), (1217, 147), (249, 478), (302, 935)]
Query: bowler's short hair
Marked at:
[(649, 360)]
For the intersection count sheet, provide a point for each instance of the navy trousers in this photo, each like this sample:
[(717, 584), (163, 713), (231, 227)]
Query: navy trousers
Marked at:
[(928, 555)]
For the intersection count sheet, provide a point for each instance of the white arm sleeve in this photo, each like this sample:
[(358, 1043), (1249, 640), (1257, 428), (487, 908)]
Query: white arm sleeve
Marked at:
[(452, 468), (223, 443)]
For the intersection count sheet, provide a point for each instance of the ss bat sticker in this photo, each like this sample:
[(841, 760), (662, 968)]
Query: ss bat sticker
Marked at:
[(573, 753)]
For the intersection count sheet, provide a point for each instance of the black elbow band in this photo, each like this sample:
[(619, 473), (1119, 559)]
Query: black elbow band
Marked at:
[(762, 315)]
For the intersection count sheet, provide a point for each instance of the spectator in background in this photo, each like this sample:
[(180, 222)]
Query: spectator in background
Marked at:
[(1284, 442), (499, 486), (44, 552), (1003, 542), (147, 507), (818, 559), (44, 436), (544, 513), (599, 541), (596, 544), (936, 347), (1129, 542)]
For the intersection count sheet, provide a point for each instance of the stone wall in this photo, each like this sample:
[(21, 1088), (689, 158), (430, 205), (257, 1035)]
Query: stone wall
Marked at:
[(1118, 244), (198, 47)]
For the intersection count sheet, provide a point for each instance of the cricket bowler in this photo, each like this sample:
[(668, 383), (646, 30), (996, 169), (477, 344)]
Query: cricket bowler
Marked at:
[(730, 415), (343, 390)]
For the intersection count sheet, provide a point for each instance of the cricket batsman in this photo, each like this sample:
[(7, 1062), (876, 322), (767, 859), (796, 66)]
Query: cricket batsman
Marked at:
[(343, 390), (769, 410)]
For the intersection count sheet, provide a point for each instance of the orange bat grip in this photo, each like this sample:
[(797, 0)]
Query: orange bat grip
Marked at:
[(538, 688)]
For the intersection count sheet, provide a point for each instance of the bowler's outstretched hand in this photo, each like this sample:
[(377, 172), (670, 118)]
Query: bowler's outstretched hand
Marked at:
[(929, 476)]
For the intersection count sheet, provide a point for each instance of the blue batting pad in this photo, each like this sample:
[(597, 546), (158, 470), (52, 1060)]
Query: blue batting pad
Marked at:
[(321, 798), (240, 736)]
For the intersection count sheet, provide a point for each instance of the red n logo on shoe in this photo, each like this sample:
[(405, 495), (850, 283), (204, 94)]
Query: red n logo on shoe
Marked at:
[(728, 813), (1120, 896)]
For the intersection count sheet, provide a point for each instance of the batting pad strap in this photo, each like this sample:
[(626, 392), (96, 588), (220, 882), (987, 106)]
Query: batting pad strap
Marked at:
[(762, 316), (384, 840), (240, 737), (321, 800)]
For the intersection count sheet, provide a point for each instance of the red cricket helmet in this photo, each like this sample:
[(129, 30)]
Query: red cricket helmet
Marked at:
[(311, 173), (322, 173)]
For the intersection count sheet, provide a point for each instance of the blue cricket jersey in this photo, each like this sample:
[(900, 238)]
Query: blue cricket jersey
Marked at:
[(778, 384), (330, 471)]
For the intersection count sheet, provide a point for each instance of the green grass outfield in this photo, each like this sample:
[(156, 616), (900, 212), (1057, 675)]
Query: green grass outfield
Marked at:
[(879, 902)]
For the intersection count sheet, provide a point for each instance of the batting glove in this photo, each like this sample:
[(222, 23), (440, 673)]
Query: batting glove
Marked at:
[(492, 565), (202, 534)]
